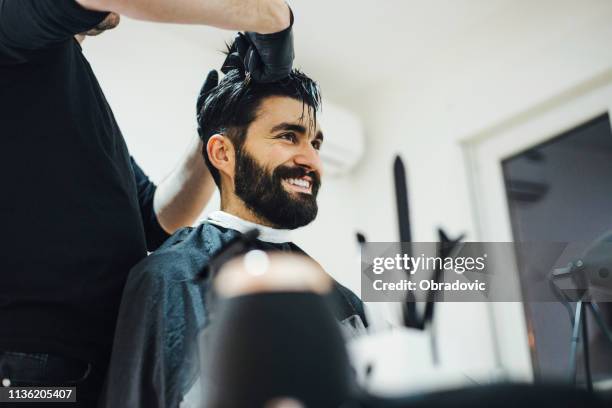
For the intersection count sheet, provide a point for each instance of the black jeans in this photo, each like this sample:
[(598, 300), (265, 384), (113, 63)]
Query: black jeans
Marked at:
[(48, 370)]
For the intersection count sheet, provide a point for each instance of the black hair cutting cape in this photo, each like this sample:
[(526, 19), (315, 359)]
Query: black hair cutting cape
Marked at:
[(155, 358)]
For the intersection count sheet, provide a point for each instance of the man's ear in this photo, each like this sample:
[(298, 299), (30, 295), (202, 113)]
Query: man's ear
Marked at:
[(221, 154)]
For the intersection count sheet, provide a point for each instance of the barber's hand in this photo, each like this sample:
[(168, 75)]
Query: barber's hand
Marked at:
[(267, 57), (212, 80)]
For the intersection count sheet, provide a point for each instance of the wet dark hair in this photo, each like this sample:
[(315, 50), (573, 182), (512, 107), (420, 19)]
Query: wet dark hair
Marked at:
[(232, 106)]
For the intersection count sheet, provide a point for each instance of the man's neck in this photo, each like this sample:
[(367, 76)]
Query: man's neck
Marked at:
[(240, 210)]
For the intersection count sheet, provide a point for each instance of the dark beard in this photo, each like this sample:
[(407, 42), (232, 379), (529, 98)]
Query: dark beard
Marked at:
[(265, 195)]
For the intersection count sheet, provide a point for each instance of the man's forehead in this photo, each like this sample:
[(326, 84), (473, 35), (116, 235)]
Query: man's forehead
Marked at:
[(277, 110)]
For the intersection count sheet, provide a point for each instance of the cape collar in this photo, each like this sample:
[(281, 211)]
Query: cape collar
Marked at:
[(266, 234)]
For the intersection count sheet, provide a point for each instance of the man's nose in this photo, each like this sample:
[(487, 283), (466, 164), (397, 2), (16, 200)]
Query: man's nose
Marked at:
[(308, 157)]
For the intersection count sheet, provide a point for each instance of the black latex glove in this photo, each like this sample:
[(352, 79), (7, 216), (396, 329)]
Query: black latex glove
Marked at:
[(266, 57), (212, 80)]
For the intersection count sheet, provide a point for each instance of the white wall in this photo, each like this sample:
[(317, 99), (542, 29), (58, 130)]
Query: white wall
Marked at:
[(490, 75), (494, 76), (151, 78)]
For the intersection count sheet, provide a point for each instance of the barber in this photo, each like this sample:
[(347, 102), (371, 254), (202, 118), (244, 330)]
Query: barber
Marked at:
[(76, 210)]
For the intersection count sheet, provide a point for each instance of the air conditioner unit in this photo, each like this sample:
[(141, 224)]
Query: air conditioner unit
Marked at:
[(344, 139)]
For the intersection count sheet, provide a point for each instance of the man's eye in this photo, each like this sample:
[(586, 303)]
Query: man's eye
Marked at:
[(288, 136), (316, 144)]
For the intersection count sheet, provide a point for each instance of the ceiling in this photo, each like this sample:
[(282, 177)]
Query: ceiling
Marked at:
[(361, 41), (354, 43), (351, 45)]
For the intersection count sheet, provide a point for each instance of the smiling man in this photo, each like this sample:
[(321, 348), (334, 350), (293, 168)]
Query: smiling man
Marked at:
[(271, 178), (261, 144)]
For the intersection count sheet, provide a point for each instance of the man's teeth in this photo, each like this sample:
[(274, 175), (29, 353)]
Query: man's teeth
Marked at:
[(299, 182)]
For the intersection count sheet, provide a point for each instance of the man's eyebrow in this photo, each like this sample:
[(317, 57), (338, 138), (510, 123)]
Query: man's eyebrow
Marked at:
[(289, 126), (293, 127)]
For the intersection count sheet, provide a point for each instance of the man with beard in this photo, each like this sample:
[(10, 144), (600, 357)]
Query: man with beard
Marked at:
[(262, 144)]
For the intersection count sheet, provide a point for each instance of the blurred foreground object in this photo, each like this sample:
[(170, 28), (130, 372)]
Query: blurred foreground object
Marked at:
[(275, 338)]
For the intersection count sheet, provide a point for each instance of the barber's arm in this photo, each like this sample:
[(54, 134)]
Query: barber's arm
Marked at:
[(262, 16), (181, 197), (177, 201), (183, 194)]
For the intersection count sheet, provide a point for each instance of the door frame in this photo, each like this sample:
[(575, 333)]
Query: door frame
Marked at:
[(484, 153)]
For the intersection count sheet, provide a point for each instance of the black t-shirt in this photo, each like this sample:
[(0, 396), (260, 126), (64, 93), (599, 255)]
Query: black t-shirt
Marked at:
[(76, 213)]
